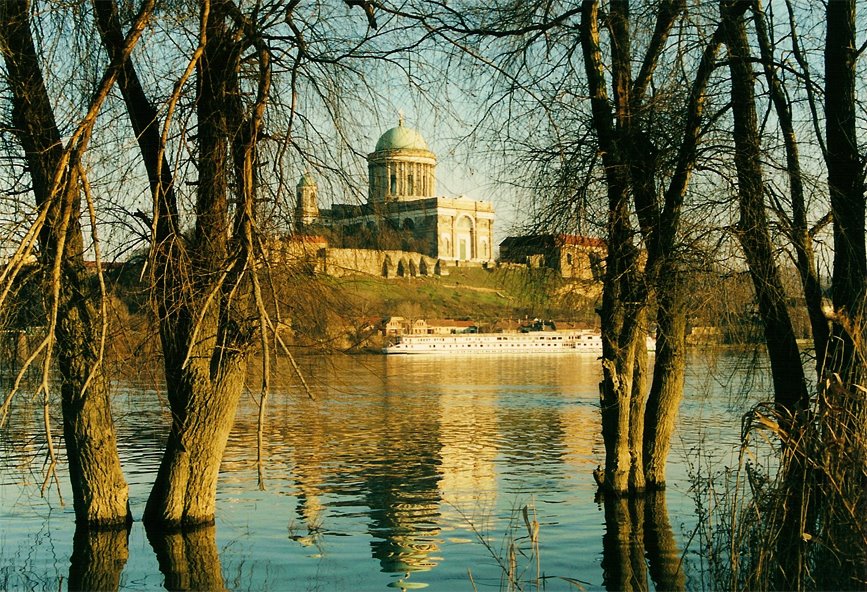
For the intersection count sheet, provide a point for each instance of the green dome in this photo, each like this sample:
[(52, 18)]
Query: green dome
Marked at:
[(306, 180), (401, 138)]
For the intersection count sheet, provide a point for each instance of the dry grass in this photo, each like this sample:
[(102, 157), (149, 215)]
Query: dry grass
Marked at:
[(792, 514)]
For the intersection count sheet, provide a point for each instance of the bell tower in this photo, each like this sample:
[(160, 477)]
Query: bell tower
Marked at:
[(306, 205)]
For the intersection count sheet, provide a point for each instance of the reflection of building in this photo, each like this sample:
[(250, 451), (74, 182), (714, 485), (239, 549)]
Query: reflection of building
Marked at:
[(579, 257), (469, 435), (402, 199), (402, 494)]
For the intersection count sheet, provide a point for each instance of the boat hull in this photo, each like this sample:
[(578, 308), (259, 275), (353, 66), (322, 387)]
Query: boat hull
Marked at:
[(547, 342), (541, 342)]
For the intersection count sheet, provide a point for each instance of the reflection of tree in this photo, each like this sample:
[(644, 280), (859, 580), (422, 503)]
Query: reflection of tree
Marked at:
[(622, 547), (98, 558), (632, 527), (662, 552), (188, 559)]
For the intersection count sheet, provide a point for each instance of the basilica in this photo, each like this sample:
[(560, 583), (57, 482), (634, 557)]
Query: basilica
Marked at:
[(402, 202)]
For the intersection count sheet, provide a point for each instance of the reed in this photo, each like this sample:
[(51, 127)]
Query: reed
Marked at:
[(791, 514)]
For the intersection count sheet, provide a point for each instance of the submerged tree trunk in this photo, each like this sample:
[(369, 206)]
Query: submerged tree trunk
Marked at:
[(197, 289), (99, 490), (622, 302), (205, 339), (203, 410), (666, 390)]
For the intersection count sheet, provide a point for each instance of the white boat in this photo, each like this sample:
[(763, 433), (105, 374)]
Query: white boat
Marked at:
[(495, 343), (502, 343)]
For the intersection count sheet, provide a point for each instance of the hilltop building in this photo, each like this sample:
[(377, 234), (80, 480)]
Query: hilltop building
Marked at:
[(576, 257), (402, 201)]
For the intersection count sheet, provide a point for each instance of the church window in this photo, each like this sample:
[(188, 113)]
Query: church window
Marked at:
[(410, 186), (393, 188)]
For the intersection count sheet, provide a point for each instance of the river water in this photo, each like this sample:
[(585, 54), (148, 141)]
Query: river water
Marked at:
[(404, 472)]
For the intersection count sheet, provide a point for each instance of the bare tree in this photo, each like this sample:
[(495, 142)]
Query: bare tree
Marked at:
[(76, 327), (207, 285), (637, 434), (790, 387)]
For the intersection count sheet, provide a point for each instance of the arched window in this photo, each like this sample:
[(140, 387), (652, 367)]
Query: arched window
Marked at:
[(464, 230), (393, 186)]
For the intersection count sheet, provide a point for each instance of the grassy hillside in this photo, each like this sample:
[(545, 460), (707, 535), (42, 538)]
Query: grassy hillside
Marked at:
[(339, 312), (486, 296)]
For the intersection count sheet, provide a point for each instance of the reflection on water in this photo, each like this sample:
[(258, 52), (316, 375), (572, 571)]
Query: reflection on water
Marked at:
[(189, 560), (98, 559), (638, 539), (393, 475)]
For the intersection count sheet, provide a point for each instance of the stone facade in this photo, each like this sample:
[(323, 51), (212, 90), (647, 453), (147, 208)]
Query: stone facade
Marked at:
[(575, 257), (306, 208), (402, 199), (314, 254)]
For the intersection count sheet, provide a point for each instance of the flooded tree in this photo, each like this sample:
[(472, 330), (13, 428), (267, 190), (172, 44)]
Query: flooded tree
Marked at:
[(631, 150), (205, 285), (204, 288), (76, 326), (638, 428)]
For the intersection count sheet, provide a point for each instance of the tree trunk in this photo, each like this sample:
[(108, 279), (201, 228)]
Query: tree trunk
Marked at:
[(846, 187), (201, 308), (100, 494), (666, 276), (799, 232), (203, 334), (203, 410), (790, 388), (622, 301), (637, 480), (669, 370)]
